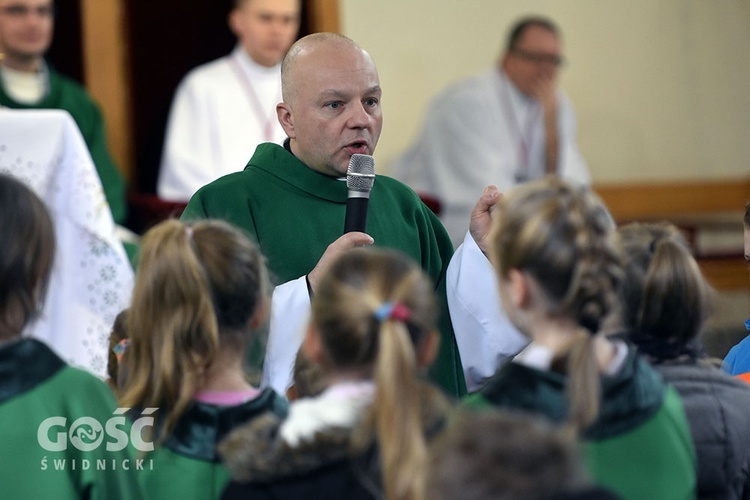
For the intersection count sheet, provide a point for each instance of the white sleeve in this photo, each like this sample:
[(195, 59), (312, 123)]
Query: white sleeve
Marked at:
[(290, 312), (572, 165), (485, 336)]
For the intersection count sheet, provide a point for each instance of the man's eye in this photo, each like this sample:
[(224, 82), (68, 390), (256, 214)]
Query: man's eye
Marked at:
[(371, 102), (334, 105)]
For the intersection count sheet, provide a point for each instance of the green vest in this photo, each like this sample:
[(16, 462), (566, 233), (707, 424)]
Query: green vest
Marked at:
[(640, 447), (36, 386)]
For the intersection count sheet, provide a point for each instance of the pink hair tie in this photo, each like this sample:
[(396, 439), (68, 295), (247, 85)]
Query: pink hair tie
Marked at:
[(189, 232), (392, 310)]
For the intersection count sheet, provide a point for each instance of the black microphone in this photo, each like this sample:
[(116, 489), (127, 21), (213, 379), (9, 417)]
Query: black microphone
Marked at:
[(360, 176)]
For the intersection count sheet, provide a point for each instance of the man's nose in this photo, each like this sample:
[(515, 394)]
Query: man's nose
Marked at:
[(359, 116)]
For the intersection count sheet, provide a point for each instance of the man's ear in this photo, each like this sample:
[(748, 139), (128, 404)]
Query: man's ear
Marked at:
[(234, 20), (286, 119)]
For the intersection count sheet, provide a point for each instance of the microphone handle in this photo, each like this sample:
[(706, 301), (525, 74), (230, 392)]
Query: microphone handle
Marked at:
[(356, 214)]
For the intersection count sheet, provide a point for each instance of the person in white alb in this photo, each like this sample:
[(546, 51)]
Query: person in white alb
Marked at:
[(223, 109), (504, 126)]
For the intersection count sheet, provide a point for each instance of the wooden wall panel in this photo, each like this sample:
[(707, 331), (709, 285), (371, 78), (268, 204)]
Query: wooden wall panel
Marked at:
[(106, 67), (695, 206), (323, 15), (638, 201)]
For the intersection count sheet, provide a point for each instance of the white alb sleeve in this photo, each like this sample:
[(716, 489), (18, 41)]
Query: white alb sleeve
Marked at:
[(486, 338), (290, 313)]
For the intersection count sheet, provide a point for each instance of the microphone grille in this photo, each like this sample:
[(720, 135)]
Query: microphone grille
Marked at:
[(360, 176)]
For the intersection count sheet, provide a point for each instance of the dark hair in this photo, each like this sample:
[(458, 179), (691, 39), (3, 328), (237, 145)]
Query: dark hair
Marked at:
[(522, 25), (665, 295), (307, 378), (26, 255), (746, 219), (505, 455)]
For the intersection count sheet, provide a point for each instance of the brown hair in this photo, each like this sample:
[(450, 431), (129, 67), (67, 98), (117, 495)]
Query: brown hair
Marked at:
[(563, 237), (344, 311), (307, 378), (498, 454), (197, 288), (26, 255), (665, 295)]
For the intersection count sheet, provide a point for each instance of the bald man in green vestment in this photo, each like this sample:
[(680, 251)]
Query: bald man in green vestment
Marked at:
[(292, 198)]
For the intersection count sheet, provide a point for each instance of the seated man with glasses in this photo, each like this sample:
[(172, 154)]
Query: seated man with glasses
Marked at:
[(28, 82), (504, 126)]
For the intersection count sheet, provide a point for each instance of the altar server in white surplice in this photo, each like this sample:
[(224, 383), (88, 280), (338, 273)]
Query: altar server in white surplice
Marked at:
[(223, 109)]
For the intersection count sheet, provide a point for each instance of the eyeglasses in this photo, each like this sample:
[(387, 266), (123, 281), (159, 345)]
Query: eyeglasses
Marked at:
[(22, 11), (539, 58)]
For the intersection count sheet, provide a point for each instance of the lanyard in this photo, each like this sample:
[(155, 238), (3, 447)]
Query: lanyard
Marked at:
[(267, 121), (523, 139)]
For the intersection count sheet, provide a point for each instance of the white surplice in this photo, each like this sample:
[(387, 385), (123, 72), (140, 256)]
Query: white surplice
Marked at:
[(221, 111), (484, 131)]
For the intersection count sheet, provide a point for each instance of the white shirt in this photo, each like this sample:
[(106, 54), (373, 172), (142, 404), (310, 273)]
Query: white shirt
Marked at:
[(221, 111), (484, 131)]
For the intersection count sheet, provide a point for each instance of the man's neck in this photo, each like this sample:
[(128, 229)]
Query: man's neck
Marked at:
[(24, 64)]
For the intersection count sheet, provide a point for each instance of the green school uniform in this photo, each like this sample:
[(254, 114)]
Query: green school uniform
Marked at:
[(187, 465), (36, 386), (294, 213), (640, 447)]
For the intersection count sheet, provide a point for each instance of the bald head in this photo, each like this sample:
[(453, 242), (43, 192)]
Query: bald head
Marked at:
[(305, 49), (331, 102)]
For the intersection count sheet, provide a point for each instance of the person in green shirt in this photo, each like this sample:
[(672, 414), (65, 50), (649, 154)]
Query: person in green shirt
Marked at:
[(61, 433), (199, 300), (27, 81), (559, 269), (292, 198)]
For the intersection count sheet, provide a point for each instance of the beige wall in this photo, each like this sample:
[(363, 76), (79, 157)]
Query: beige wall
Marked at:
[(661, 88)]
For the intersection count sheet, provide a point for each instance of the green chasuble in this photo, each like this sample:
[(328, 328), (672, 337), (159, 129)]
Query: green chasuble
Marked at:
[(68, 95), (640, 447), (51, 416), (294, 213)]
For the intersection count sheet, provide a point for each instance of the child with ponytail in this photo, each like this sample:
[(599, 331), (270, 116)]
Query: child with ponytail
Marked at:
[(558, 264), (373, 333), (200, 297), (666, 302)]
